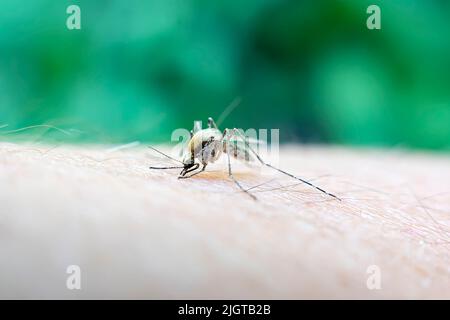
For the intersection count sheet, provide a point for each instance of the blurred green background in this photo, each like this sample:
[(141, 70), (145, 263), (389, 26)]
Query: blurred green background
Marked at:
[(139, 69)]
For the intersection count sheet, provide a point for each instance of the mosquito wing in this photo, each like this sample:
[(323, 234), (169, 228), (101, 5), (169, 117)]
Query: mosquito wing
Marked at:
[(238, 151)]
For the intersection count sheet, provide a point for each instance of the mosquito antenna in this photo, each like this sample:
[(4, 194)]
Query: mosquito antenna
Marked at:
[(37, 126), (165, 155), (282, 171)]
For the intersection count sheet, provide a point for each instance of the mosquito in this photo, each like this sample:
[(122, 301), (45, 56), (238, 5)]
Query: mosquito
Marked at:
[(207, 145)]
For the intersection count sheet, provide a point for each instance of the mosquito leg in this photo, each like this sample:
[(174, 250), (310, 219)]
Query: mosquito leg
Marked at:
[(188, 169), (279, 170), (230, 174), (211, 123), (195, 173)]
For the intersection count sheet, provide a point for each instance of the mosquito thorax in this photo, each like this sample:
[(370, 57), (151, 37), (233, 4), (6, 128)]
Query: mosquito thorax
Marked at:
[(208, 134), (205, 145)]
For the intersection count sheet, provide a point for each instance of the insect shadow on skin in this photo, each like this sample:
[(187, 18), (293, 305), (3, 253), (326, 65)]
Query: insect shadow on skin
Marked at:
[(207, 145)]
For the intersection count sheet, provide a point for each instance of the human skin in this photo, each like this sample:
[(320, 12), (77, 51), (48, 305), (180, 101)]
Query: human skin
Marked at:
[(141, 233)]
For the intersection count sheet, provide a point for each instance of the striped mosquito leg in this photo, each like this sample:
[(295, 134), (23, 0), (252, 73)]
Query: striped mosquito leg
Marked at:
[(230, 174), (240, 135)]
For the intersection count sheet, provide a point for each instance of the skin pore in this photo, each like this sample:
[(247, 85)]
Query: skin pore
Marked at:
[(137, 233)]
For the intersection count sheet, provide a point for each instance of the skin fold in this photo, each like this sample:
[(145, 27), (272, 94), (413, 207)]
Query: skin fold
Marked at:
[(138, 233)]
